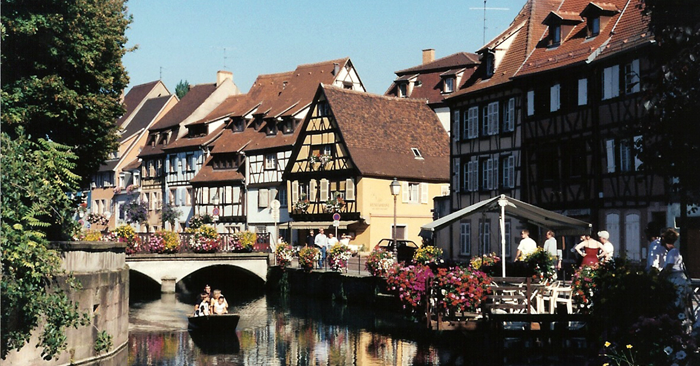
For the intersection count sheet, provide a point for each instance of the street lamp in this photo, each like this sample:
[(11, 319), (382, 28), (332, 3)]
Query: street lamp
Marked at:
[(395, 190)]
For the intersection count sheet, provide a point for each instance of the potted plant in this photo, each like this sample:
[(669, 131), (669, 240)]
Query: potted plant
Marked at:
[(203, 239), (308, 257), (428, 254), (379, 262), (244, 241), (338, 256), (283, 254)]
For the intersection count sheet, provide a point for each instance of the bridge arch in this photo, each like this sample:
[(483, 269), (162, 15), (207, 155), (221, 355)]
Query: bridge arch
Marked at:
[(172, 268)]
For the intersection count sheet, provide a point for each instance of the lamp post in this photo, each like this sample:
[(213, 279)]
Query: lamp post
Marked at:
[(395, 190), (503, 202)]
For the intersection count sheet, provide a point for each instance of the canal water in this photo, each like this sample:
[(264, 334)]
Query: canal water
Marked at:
[(288, 331)]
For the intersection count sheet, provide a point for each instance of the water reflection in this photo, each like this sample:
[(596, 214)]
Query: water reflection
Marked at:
[(286, 332)]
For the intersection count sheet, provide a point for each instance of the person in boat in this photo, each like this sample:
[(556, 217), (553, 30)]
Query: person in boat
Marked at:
[(202, 309), (215, 299), (207, 289), (220, 307)]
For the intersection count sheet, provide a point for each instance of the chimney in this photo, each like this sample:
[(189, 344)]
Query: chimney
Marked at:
[(222, 75), (428, 55), (336, 68)]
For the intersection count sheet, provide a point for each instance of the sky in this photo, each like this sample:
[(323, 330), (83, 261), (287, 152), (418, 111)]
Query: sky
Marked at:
[(192, 39)]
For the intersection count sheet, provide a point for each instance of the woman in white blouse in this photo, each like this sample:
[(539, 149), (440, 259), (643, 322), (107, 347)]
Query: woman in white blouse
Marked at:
[(674, 270)]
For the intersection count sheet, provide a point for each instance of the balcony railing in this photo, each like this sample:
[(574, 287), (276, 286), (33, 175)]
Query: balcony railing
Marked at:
[(228, 243)]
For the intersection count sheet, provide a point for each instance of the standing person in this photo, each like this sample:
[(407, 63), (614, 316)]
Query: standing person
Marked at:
[(592, 251), (674, 268), (332, 240), (345, 239), (608, 247), (550, 246), (526, 247), (657, 254), (321, 241), (310, 239)]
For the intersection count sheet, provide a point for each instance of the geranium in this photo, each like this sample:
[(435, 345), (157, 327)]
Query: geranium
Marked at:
[(336, 204), (582, 285), (460, 289), (542, 264), (284, 254), (97, 219), (308, 257), (164, 242), (379, 262), (339, 256), (127, 234), (244, 241), (203, 239), (486, 260), (409, 282), (427, 254)]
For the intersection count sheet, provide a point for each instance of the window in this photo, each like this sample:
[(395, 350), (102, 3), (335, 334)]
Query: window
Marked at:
[(612, 226), (282, 196), (411, 192), (455, 174), (507, 234), (416, 153), (593, 26), (582, 91), (189, 161), (637, 163), (554, 97), (238, 125), (610, 154), (472, 175), (455, 125), (491, 119), (489, 176), (625, 156), (271, 128), (472, 126), (485, 236), (556, 34), (509, 115), (489, 67), (173, 164), (323, 109), (402, 90), (400, 231), (270, 161), (632, 77), (288, 127), (611, 82), (449, 85), (508, 164), (465, 244), (530, 102)]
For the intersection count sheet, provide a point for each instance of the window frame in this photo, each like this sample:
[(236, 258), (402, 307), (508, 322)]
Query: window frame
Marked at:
[(465, 243), (509, 115)]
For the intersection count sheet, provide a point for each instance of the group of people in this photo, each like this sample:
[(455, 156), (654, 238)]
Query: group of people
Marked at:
[(592, 251), (325, 242), (528, 246), (211, 303)]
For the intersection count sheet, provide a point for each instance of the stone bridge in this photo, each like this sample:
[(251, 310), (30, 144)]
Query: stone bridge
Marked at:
[(168, 269)]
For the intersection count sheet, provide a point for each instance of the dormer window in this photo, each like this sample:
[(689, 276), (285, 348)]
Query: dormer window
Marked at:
[(416, 153), (323, 109), (593, 26), (271, 128), (449, 85), (597, 16), (560, 25), (402, 90), (288, 126), (163, 139), (237, 125), (555, 33), (489, 59), (152, 140)]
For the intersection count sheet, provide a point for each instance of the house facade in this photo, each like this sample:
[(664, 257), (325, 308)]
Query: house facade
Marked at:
[(145, 104), (435, 80), (344, 161), (485, 140), (581, 125)]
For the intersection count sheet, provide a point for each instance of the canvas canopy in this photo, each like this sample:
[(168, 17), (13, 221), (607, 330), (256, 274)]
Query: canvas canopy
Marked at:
[(560, 224)]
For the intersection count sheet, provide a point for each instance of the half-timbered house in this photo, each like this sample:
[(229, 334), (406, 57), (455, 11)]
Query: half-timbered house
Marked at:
[(248, 160), (161, 170), (350, 148), (582, 108), (144, 104), (435, 80), (485, 139)]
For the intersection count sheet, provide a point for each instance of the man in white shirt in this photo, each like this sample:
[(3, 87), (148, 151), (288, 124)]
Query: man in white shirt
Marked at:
[(609, 248), (526, 247), (332, 240), (321, 241), (550, 246)]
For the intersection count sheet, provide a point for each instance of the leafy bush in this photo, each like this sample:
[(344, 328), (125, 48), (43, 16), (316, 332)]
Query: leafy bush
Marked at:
[(410, 284), (127, 234), (164, 242), (486, 260), (103, 342), (204, 239), (428, 254), (244, 241), (542, 264), (92, 235), (379, 262), (460, 289)]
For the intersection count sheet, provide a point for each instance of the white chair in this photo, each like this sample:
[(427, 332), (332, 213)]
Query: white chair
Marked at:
[(561, 295)]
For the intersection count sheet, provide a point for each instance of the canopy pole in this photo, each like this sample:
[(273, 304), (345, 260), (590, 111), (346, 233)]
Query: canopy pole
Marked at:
[(503, 202)]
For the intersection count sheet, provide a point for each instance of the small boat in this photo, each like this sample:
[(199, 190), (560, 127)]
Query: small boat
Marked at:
[(224, 322)]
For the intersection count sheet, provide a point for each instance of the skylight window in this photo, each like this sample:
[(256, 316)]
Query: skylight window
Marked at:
[(416, 153)]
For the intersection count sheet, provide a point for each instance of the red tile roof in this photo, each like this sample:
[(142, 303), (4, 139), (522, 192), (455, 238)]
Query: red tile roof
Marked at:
[(134, 164), (527, 28), (208, 174), (459, 59), (186, 106), (189, 142), (380, 131), (133, 98), (622, 31)]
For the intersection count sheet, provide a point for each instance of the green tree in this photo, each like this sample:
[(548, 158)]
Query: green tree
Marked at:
[(62, 74), (36, 176), (670, 146), (182, 88)]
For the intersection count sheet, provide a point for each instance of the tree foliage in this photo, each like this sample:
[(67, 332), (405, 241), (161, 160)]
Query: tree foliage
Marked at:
[(182, 88), (62, 74), (670, 146), (36, 176)]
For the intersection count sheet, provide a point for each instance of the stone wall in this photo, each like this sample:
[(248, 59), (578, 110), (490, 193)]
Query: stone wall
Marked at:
[(101, 269)]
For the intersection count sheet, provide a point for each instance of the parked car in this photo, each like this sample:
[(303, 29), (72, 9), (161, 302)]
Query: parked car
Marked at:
[(405, 250)]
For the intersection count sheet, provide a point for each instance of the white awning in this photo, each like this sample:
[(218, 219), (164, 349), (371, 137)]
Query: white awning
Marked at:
[(560, 224), (317, 224)]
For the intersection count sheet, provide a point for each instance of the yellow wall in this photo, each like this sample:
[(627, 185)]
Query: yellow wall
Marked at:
[(376, 206)]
